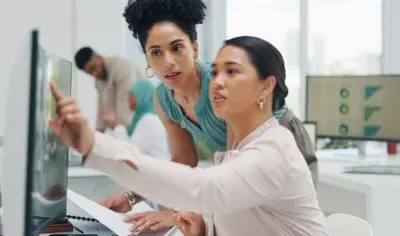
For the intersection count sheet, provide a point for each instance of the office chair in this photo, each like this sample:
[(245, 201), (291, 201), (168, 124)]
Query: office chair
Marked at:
[(347, 225)]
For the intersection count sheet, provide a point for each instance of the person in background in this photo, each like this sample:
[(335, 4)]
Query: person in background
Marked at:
[(261, 186), (166, 30), (145, 130), (114, 76)]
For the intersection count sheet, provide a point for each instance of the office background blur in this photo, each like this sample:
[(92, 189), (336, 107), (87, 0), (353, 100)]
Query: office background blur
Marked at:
[(324, 37), (315, 36)]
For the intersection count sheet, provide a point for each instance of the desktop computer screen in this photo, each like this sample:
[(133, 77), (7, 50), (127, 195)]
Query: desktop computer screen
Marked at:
[(50, 159), (354, 107), (35, 163)]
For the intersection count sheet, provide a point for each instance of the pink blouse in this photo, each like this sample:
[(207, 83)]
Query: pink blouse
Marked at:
[(262, 187)]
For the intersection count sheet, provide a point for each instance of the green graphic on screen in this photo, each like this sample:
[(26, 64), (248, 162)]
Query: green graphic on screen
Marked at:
[(344, 109), (344, 93), (369, 111), (370, 91), (371, 130), (343, 129)]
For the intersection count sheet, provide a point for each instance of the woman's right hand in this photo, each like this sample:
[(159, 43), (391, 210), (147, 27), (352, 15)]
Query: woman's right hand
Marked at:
[(70, 125), (117, 203)]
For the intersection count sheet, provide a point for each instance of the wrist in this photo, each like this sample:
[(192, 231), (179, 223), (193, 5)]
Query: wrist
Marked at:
[(132, 198), (87, 148)]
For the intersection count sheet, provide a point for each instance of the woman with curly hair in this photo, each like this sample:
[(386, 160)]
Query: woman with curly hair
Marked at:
[(166, 30)]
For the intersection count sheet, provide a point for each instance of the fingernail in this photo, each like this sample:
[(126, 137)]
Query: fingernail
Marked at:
[(133, 228)]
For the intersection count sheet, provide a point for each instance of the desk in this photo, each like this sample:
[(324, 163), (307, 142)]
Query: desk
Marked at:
[(375, 198), (92, 184)]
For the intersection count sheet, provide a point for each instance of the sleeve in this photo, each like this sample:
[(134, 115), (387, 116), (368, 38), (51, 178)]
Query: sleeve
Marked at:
[(121, 95), (100, 125), (305, 146), (253, 177)]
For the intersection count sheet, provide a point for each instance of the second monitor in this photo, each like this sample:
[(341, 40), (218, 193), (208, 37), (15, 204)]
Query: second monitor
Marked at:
[(355, 107)]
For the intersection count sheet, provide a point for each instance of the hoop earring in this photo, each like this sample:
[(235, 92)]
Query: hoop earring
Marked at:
[(261, 102), (147, 72)]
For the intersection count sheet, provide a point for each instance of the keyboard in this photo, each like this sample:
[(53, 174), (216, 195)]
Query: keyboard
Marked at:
[(373, 169)]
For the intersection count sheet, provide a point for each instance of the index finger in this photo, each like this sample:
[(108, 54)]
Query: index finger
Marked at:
[(56, 93)]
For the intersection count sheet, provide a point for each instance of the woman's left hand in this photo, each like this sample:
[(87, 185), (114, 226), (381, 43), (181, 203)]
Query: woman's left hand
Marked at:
[(153, 220)]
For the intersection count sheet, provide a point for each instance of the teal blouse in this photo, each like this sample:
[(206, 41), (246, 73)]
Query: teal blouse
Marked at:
[(210, 128)]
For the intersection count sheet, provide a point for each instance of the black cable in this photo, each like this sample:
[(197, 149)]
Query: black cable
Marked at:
[(82, 218)]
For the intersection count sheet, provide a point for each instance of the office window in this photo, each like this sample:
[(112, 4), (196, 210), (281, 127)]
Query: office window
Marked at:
[(345, 36), (277, 21)]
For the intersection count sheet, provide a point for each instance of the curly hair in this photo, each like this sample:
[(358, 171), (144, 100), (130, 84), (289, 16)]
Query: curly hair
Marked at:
[(141, 15)]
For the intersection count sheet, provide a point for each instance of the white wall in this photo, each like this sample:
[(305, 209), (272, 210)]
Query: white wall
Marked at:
[(391, 37), (64, 26), (214, 28), (391, 40), (99, 24), (17, 18)]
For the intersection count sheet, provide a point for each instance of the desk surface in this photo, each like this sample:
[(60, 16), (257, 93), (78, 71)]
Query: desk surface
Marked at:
[(330, 170)]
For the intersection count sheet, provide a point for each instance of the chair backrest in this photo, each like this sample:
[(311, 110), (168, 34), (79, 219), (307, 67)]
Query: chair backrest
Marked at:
[(347, 225)]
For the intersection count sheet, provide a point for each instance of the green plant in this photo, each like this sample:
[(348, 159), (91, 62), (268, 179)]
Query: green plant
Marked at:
[(338, 144)]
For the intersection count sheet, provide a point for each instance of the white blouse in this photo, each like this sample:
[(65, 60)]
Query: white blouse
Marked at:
[(263, 187)]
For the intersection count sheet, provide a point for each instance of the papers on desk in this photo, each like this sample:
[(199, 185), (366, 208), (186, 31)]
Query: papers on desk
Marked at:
[(112, 220)]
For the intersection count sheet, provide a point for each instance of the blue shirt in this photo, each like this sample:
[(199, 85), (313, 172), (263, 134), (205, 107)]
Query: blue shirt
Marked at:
[(210, 128)]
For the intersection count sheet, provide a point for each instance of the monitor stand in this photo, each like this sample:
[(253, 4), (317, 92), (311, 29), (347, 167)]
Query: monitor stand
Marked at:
[(61, 225)]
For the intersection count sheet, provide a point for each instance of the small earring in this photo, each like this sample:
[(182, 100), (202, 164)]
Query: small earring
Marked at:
[(147, 72), (196, 61), (261, 102)]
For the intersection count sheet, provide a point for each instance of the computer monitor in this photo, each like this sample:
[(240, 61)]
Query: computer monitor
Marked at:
[(354, 107), (35, 163)]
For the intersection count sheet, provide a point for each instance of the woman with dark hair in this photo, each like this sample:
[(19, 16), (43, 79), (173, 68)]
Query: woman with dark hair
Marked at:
[(166, 30), (261, 186)]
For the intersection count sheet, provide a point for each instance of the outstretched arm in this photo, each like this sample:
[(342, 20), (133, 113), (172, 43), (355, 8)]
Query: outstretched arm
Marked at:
[(249, 180)]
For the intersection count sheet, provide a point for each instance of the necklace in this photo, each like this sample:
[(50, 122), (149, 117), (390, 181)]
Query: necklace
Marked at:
[(183, 123)]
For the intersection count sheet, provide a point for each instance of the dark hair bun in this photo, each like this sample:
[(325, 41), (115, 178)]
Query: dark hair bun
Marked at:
[(140, 14)]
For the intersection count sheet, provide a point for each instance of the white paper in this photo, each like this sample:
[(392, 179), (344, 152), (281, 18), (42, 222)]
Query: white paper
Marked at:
[(112, 220)]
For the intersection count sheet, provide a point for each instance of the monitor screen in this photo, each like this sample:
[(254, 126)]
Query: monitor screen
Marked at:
[(354, 107), (50, 159)]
